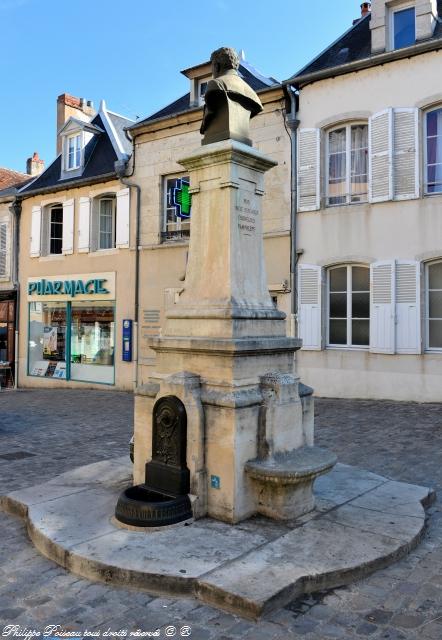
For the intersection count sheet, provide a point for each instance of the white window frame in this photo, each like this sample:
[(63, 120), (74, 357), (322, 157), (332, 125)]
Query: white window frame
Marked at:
[(74, 136), (179, 221), (425, 150), (113, 199), (349, 318), (429, 349), (348, 196), (392, 11)]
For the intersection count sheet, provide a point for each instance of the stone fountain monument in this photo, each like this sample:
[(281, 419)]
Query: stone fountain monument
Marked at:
[(220, 428)]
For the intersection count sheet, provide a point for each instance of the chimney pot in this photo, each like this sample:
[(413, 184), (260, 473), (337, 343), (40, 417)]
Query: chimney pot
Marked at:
[(365, 8)]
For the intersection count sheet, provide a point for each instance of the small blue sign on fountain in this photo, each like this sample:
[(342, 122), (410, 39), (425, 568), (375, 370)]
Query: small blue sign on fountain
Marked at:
[(215, 482)]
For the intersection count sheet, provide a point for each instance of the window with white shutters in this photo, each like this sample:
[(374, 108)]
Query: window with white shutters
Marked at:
[(405, 154), (382, 307), (123, 219), (380, 156), (433, 280), (36, 220), (309, 306), (348, 322), (433, 151), (84, 214), (68, 226), (309, 193), (347, 164), (408, 321), (3, 248)]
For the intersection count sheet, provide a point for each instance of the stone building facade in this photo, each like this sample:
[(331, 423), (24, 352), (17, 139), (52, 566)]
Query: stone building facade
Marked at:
[(369, 222)]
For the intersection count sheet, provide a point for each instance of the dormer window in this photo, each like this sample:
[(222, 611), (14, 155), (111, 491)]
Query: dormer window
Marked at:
[(403, 27), (73, 151), (202, 86)]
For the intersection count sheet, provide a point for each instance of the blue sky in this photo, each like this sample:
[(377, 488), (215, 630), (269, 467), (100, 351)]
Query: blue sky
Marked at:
[(130, 52)]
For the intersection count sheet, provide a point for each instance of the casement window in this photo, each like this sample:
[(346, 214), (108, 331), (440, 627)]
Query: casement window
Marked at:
[(347, 164), (348, 321), (433, 151), (202, 86), (177, 209), (55, 223), (402, 27), (433, 278), (3, 249), (106, 222), (73, 151)]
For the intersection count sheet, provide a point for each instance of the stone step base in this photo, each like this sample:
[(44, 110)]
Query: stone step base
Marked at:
[(362, 522)]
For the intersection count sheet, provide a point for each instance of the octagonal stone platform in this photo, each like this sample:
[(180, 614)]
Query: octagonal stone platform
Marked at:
[(362, 522)]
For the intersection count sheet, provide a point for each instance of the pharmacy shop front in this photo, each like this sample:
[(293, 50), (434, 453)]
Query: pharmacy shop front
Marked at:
[(72, 329)]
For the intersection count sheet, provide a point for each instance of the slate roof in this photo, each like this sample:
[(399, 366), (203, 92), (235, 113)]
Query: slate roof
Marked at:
[(352, 46), (121, 123), (99, 159), (253, 78)]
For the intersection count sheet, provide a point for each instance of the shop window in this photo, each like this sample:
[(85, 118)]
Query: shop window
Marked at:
[(433, 155), (72, 341), (434, 306), (92, 342), (47, 339), (177, 209), (403, 27), (349, 306), (347, 164)]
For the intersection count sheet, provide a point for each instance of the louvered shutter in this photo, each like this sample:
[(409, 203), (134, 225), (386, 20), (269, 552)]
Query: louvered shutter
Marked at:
[(84, 215), (309, 192), (35, 232), (408, 322), (382, 307), (380, 143), (68, 227), (405, 154), (123, 209), (3, 248), (309, 306)]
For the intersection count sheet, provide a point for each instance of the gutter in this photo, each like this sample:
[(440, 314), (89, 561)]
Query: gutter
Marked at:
[(366, 63), (84, 182), (121, 168), (15, 209), (293, 124)]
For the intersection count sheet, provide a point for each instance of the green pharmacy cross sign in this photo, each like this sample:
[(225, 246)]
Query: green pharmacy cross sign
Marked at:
[(182, 199)]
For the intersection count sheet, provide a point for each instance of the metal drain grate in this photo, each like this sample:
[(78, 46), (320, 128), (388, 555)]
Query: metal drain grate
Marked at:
[(16, 455)]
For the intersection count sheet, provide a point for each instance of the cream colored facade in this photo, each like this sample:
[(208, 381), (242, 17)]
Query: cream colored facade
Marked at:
[(115, 267), (405, 228), (159, 145)]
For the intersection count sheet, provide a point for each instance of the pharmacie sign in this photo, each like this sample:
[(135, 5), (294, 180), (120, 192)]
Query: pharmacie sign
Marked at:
[(68, 287)]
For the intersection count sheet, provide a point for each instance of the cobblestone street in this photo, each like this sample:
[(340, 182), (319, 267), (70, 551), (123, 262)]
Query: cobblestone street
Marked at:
[(44, 433)]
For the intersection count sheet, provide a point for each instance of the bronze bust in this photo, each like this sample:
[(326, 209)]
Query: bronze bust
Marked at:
[(229, 101)]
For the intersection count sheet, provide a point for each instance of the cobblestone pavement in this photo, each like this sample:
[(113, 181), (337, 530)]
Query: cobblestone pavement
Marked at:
[(64, 429)]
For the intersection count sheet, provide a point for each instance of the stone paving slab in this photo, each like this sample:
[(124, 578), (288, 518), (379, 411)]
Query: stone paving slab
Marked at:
[(249, 569)]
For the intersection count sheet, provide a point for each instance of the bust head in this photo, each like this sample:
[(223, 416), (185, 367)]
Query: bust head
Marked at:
[(223, 60)]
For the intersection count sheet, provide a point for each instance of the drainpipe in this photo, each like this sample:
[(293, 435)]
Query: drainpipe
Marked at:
[(293, 124), (121, 168), (15, 209)]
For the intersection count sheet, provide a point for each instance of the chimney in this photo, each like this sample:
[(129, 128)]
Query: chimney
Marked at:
[(34, 165), (68, 106), (365, 8)]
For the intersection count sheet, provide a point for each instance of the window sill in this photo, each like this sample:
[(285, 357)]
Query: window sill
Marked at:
[(104, 252), (51, 257), (432, 195), (345, 348), (432, 352), (345, 204)]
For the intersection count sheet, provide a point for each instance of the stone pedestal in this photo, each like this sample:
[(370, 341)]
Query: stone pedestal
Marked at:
[(224, 352)]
